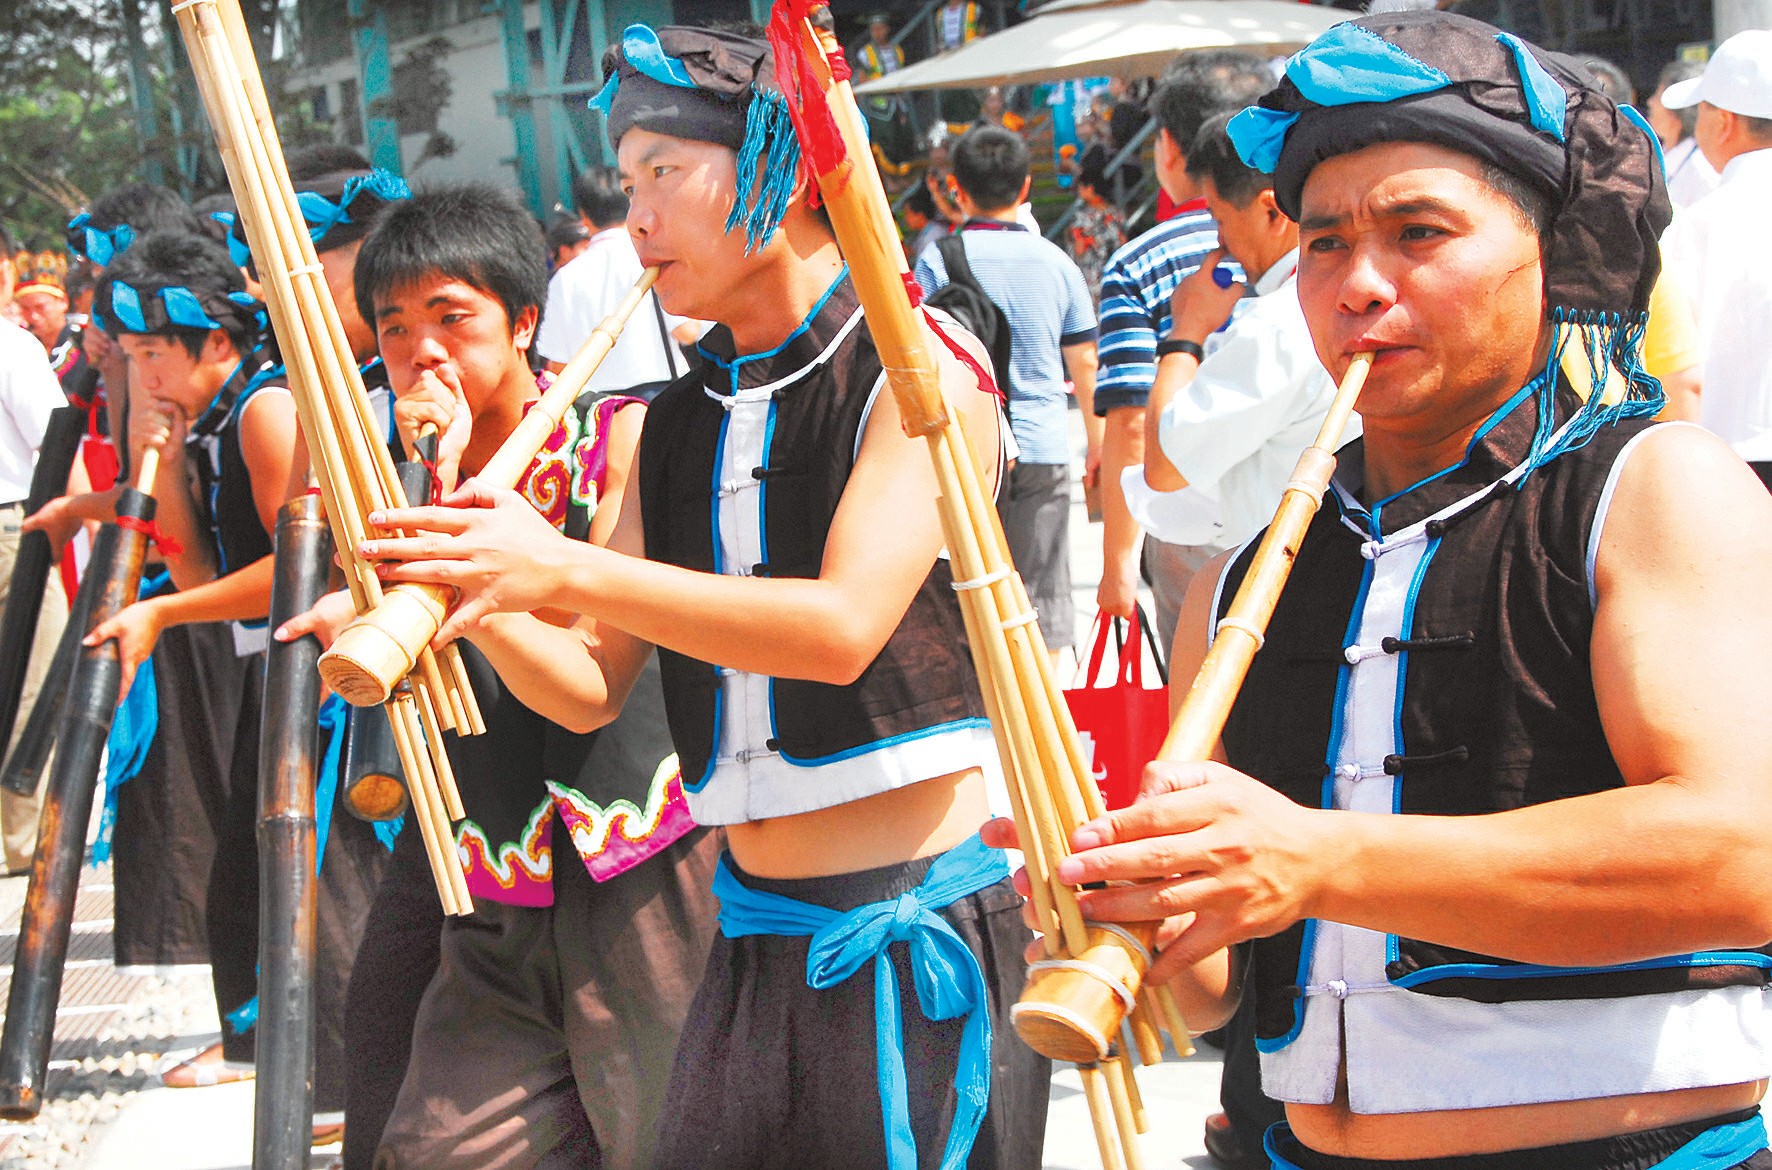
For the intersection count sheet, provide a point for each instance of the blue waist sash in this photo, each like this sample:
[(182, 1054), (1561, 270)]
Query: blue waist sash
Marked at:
[(948, 980)]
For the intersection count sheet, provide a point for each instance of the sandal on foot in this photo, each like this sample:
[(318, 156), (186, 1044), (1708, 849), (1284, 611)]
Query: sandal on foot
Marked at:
[(328, 1128), (208, 1067)]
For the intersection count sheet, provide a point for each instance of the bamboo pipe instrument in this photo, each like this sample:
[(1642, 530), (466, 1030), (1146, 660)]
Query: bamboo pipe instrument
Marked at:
[(377, 650), (1060, 998), (351, 465), (1051, 788), (1200, 721), (48, 916), (33, 562), (29, 757), (283, 1093)]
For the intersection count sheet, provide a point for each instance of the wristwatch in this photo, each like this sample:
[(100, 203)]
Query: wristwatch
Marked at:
[(1171, 345)]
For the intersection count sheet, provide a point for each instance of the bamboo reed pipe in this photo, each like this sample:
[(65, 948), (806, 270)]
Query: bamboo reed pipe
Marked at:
[(1043, 763), (354, 470), (374, 652), (1200, 721), (1101, 1116)]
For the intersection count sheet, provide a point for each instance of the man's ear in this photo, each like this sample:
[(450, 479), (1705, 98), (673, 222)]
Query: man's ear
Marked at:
[(1027, 185), (523, 329), (218, 347), (1276, 218)]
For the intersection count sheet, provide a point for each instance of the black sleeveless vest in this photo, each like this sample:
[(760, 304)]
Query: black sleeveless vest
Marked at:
[(503, 774), (224, 482), (923, 677), (1495, 705)]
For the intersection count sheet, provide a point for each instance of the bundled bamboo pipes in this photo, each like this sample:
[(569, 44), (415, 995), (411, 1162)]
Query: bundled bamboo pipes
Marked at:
[(1085, 1002), (1050, 783), (378, 649), (354, 469)]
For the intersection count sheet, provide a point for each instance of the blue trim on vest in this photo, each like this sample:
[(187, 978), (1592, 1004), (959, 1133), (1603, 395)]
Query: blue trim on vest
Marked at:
[(763, 457), (1537, 971), (949, 982), (253, 385), (1494, 420), (876, 745), (740, 359), (1406, 628), (707, 773)]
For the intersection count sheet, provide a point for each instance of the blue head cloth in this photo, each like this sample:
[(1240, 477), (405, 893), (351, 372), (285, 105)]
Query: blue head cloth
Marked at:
[(97, 244), (709, 86), (1447, 80), (120, 307), (338, 209)]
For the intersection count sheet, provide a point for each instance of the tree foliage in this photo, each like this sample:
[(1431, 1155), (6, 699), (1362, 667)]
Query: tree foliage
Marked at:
[(66, 126)]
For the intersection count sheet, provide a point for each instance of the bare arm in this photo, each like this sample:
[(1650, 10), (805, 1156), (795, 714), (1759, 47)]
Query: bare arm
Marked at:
[(1197, 307), (1122, 446), (827, 628), (1672, 862), (578, 676), (1174, 371), (240, 596), (1081, 362)]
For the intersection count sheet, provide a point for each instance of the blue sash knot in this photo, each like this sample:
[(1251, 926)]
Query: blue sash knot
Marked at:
[(946, 975)]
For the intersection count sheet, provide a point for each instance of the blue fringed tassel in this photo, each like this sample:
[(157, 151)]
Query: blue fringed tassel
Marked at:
[(770, 146), (1607, 341)]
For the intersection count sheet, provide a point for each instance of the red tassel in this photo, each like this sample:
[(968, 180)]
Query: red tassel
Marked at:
[(979, 371), (153, 532), (820, 140)]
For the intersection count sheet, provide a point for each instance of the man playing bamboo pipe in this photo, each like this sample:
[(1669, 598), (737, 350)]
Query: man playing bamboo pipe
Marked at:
[(815, 669), (1504, 710), (545, 1037)]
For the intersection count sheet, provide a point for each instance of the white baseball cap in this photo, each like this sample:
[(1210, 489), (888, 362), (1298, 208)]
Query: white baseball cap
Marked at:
[(1738, 78)]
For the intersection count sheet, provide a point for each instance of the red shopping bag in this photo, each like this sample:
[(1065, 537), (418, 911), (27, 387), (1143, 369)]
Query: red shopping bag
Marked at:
[(1123, 721)]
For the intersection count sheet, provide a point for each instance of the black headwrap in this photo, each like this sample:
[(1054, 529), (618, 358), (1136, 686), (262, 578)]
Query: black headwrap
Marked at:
[(1451, 81), (708, 86)]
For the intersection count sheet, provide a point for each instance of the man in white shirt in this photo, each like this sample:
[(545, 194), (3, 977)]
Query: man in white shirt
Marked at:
[(28, 392), (1690, 177), (1230, 409), (1720, 248), (585, 290)]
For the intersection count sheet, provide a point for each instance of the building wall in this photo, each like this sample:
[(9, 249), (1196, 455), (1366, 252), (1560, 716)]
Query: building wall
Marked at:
[(473, 118)]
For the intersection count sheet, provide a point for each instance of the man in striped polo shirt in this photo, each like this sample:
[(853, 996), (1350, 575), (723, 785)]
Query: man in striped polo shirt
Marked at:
[(1136, 289), (1052, 329)]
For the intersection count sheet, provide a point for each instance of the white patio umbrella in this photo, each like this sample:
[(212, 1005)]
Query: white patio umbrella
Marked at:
[(1086, 38)]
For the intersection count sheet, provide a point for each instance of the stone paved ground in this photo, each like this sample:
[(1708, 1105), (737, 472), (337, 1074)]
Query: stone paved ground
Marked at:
[(116, 1030)]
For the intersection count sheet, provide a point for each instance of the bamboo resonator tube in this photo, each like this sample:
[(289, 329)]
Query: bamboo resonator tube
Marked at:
[(373, 653), (289, 751), (91, 704)]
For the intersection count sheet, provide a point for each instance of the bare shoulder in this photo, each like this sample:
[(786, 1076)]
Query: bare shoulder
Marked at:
[(1685, 507)]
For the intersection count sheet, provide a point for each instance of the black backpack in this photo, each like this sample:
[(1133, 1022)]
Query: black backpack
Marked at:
[(965, 300)]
